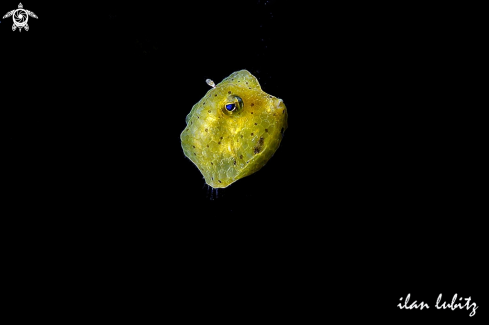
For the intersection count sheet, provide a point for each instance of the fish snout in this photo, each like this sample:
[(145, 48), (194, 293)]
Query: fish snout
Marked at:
[(278, 104)]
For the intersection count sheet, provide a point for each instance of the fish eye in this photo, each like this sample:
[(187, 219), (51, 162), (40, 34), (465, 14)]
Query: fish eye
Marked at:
[(233, 104), (231, 107)]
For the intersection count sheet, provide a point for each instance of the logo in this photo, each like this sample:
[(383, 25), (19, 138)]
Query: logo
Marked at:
[(20, 17)]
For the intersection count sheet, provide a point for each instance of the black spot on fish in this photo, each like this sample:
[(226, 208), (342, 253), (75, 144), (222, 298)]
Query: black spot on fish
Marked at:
[(229, 92), (252, 104), (259, 146)]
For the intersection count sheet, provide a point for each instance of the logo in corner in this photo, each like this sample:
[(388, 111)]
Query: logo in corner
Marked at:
[(20, 17)]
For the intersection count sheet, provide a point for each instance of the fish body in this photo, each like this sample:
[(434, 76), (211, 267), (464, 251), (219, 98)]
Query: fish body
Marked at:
[(233, 130)]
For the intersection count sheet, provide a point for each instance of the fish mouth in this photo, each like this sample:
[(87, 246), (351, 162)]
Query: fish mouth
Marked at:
[(278, 104), (281, 111)]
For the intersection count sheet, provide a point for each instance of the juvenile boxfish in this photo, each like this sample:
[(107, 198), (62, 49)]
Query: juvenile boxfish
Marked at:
[(233, 130)]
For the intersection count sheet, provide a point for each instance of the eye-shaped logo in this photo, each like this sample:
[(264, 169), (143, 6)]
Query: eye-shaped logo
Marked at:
[(20, 17)]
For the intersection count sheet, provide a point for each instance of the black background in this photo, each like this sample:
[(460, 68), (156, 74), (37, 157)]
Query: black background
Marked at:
[(373, 193)]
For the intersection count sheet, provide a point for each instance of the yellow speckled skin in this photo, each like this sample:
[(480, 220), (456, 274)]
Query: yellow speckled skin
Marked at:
[(229, 145)]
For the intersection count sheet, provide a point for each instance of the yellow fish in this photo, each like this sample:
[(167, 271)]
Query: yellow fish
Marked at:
[(233, 130)]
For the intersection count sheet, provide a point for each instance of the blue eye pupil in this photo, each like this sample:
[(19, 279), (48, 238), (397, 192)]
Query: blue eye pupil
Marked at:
[(230, 107)]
